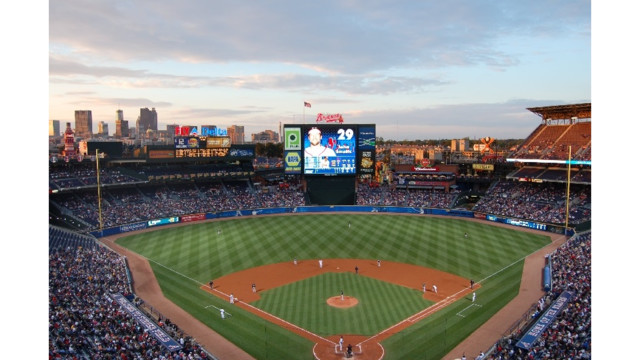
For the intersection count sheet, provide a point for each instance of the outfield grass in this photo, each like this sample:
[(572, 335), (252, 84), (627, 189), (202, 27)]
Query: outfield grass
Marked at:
[(186, 257)]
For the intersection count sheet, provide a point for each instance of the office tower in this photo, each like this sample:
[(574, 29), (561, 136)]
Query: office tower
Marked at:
[(54, 128), (122, 125), (236, 133), (84, 124), (103, 128), (148, 120)]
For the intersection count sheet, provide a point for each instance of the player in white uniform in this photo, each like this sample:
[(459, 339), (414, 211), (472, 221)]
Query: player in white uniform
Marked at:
[(315, 148)]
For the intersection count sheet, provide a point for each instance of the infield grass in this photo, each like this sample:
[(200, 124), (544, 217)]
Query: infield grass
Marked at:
[(381, 304), (186, 257)]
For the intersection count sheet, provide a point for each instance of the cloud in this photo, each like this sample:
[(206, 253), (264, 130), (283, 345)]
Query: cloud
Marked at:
[(415, 68), (62, 71), (339, 36), (509, 120)]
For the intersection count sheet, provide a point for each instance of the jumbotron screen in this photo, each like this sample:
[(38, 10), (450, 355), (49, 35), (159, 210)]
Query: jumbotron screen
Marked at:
[(328, 149)]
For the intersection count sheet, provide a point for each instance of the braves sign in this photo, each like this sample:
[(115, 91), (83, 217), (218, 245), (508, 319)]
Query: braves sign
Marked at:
[(329, 118)]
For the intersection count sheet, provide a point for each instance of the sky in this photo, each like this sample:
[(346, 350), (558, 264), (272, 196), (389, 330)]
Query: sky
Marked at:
[(417, 69)]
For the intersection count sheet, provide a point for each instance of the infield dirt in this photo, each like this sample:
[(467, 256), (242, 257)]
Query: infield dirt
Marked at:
[(147, 288)]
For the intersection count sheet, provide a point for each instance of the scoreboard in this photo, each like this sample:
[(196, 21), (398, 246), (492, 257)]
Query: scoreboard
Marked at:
[(329, 149), (201, 146)]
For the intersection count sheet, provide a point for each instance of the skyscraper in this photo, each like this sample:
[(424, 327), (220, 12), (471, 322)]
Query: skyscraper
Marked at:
[(148, 119), (54, 128), (122, 125), (84, 124), (236, 133), (103, 128)]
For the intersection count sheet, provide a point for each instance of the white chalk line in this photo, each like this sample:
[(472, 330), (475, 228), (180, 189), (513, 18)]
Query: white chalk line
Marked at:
[(439, 305)]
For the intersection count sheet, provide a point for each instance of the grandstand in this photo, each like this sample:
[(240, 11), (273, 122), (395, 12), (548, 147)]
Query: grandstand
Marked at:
[(533, 189), (563, 127)]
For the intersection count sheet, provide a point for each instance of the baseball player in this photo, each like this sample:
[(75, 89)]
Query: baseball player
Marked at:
[(341, 342), (341, 295), (320, 263), (231, 299), (222, 313), (473, 297), (295, 261), (211, 284), (253, 287), (434, 288), (316, 148), (424, 287), (379, 263)]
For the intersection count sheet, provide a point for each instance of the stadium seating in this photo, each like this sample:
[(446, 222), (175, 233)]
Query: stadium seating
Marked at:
[(84, 322), (569, 336)]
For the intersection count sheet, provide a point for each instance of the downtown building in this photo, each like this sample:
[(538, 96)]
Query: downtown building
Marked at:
[(84, 124)]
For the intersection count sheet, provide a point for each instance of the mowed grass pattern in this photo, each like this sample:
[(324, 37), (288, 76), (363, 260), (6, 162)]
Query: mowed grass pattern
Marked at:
[(191, 255), (380, 304)]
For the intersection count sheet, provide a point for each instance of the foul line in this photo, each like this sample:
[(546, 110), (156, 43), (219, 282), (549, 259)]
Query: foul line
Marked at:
[(439, 305), (268, 315), (465, 309), (412, 319)]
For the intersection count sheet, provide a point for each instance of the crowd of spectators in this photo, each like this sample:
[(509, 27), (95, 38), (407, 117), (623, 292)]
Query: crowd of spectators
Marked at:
[(140, 201), (385, 195), (84, 322), (67, 177), (569, 335), (544, 203)]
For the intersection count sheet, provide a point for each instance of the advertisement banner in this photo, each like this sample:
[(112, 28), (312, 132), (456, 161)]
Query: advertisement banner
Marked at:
[(545, 320), (192, 217), (292, 162), (292, 138), (367, 138), (367, 162), (165, 221), (150, 326)]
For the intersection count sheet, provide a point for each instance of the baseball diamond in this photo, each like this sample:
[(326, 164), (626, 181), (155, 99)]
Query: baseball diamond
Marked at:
[(183, 260)]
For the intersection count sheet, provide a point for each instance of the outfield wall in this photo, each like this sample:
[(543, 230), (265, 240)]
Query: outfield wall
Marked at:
[(324, 209)]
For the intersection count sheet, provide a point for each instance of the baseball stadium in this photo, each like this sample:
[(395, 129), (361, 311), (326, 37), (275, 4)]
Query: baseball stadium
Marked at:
[(338, 247)]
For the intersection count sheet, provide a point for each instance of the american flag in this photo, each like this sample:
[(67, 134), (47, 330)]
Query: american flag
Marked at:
[(306, 104)]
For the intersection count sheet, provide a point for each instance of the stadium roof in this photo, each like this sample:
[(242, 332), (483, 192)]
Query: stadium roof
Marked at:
[(559, 112)]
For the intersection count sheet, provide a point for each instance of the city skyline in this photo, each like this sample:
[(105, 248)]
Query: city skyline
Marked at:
[(418, 70)]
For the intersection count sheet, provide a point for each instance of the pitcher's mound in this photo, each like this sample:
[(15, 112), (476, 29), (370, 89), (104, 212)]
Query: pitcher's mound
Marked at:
[(337, 301)]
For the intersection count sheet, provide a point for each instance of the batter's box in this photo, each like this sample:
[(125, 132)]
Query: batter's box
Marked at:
[(460, 313), (344, 352)]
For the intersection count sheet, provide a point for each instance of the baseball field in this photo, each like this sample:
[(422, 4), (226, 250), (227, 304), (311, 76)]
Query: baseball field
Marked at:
[(290, 317)]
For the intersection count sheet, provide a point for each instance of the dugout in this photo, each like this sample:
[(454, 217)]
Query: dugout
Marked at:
[(331, 190)]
